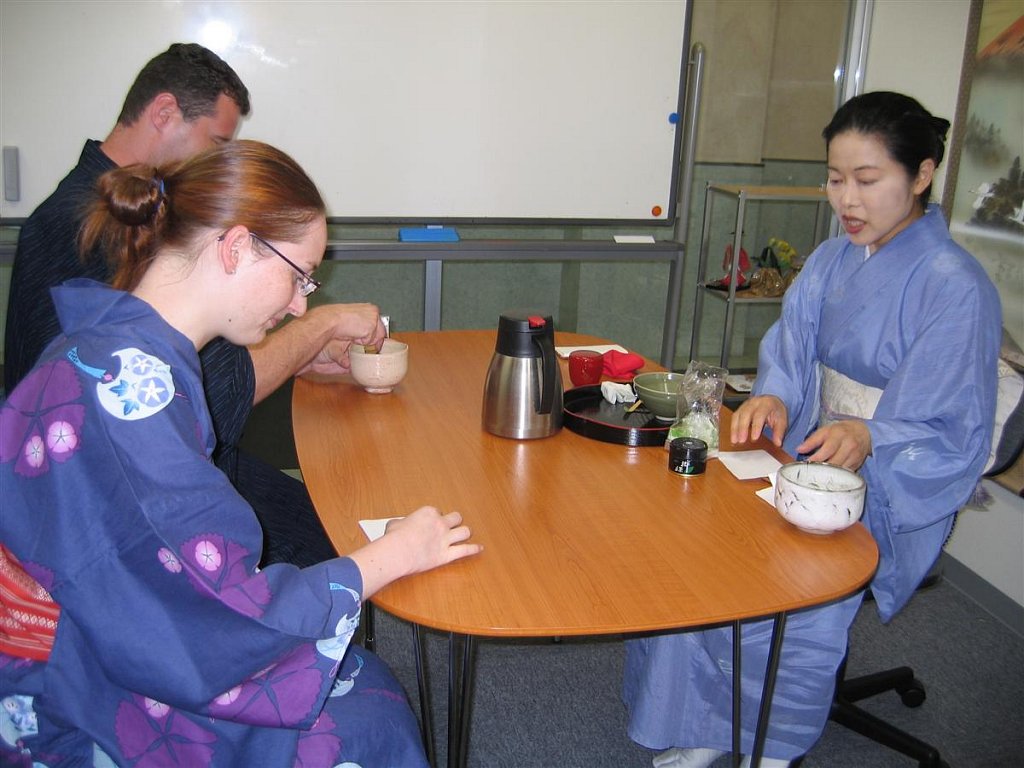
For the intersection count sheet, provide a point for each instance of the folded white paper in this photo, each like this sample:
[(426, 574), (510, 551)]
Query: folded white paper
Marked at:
[(602, 348), (741, 382), (634, 238), (617, 393), (768, 494), (374, 529), (746, 465)]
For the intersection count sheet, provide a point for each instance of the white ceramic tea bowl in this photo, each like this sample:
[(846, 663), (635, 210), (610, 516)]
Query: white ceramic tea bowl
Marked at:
[(380, 372), (819, 498)]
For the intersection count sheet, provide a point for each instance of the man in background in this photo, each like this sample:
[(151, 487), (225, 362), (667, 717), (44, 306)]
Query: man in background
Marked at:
[(186, 100)]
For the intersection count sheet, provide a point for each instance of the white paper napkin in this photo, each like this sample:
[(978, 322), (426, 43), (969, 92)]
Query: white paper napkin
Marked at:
[(602, 348), (746, 465), (768, 494), (617, 393), (740, 382), (374, 529)]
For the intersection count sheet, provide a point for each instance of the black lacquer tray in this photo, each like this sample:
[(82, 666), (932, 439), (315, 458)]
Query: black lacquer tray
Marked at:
[(587, 413)]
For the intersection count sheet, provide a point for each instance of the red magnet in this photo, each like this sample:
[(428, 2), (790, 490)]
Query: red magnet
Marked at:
[(656, 210)]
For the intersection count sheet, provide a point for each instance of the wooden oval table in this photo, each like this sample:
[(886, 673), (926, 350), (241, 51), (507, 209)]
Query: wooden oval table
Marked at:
[(580, 537)]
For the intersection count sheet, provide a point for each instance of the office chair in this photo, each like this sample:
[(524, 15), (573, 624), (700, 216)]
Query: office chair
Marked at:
[(1007, 443), (846, 713)]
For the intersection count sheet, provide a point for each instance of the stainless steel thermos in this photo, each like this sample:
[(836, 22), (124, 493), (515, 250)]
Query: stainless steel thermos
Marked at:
[(523, 389)]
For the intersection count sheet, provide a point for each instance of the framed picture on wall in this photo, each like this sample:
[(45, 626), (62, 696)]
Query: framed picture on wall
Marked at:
[(987, 208)]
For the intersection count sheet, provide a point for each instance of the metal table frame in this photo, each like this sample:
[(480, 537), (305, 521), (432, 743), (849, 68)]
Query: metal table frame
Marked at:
[(460, 683)]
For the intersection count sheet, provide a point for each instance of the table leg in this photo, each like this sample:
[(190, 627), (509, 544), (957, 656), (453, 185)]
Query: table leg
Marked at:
[(369, 633), (466, 705), (737, 692), (768, 691), (424, 693), (460, 680), (453, 699)]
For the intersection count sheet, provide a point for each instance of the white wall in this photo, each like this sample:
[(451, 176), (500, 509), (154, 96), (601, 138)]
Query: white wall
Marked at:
[(916, 47), (990, 541)]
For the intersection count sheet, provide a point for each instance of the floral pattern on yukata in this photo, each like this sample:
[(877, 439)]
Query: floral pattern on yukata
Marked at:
[(42, 421), (319, 745), (279, 696), (342, 685), (216, 564), (17, 720), (143, 387), (152, 734)]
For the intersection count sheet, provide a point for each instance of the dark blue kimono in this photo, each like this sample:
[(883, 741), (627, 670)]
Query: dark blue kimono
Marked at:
[(172, 647)]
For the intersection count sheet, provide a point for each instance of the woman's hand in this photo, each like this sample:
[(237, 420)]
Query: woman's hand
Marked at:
[(432, 539), (756, 413), (419, 542), (846, 443)]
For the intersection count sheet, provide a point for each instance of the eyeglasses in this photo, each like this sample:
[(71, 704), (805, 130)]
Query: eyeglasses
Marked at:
[(306, 282)]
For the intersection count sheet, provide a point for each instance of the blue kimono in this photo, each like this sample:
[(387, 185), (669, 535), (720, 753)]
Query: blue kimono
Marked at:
[(172, 648), (919, 321)]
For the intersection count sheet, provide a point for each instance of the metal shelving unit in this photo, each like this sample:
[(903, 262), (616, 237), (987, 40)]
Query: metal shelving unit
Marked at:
[(741, 195)]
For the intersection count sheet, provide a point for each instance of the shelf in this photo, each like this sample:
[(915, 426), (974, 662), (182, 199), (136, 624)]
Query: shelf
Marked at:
[(740, 195), (794, 194), (740, 298)]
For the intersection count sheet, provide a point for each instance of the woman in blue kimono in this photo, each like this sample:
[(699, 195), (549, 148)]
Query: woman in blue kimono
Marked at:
[(883, 361), (135, 626)]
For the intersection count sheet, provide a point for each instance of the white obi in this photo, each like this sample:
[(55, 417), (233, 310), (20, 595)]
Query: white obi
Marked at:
[(844, 398)]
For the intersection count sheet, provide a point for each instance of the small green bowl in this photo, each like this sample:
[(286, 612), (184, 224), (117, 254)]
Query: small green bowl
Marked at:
[(659, 391)]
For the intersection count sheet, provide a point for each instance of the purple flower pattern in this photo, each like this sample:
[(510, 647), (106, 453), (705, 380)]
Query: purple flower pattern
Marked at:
[(152, 734), (41, 420), (282, 695), (218, 565), (319, 745)]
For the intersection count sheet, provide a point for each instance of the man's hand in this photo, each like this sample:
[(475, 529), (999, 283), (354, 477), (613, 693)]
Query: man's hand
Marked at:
[(318, 341), (350, 324)]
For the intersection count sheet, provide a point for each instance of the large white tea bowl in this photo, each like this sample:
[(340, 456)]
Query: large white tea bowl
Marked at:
[(379, 372), (819, 498)]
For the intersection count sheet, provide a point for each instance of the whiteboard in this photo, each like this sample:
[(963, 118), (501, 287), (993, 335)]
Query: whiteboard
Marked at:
[(419, 110)]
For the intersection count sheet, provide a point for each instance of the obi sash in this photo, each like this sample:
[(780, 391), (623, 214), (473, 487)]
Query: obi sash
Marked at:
[(844, 398), (28, 615)]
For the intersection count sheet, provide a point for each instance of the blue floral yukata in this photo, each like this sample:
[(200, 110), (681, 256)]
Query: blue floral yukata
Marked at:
[(172, 647)]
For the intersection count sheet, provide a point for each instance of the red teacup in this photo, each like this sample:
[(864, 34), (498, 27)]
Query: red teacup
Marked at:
[(585, 367)]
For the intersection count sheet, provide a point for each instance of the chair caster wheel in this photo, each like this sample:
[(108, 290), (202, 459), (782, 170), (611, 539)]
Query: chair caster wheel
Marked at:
[(912, 694)]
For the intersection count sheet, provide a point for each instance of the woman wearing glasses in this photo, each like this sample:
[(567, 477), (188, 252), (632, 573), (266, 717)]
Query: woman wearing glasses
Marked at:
[(140, 628)]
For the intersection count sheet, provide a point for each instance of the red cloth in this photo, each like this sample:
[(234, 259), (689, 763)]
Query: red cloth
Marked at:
[(28, 615), (621, 365)]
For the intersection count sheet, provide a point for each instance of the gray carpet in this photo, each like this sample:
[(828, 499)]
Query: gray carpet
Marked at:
[(538, 704)]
